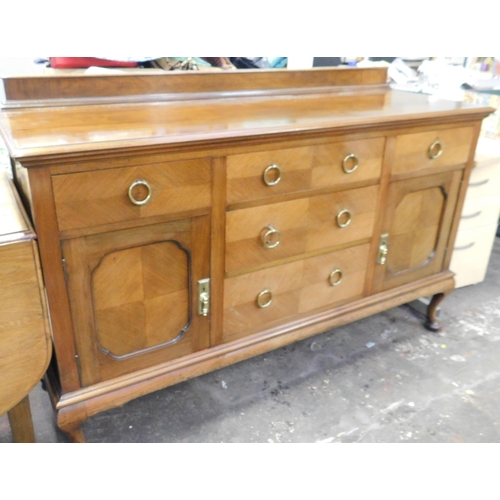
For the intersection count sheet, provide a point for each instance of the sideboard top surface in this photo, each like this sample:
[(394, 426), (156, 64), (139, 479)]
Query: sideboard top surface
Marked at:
[(79, 127)]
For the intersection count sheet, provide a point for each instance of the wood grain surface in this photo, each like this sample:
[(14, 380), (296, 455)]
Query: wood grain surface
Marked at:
[(96, 198), (297, 287), (305, 225)]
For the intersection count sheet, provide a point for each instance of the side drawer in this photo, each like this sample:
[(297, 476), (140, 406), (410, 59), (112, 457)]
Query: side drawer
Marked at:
[(269, 233), (478, 212), (254, 300), (471, 254), (484, 181), (432, 150), (102, 197), (269, 173)]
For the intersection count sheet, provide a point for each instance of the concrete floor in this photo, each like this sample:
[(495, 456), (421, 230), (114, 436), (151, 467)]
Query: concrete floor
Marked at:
[(384, 379)]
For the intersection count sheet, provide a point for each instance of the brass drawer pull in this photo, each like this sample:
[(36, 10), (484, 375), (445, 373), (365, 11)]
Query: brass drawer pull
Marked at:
[(262, 301), (480, 183), (355, 166), (471, 216), (344, 218), (267, 180), (131, 196), (435, 150), (270, 235), (465, 247), (338, 281)]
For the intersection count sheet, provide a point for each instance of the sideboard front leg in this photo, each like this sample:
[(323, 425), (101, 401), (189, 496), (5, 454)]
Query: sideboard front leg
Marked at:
[(431, 322)]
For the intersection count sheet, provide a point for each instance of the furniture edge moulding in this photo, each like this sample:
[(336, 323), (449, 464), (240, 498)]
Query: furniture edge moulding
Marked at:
[(76, 407), (195, 147)]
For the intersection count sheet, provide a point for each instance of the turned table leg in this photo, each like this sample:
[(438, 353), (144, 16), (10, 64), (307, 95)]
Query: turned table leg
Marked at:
[(431, 322), (21, 422)]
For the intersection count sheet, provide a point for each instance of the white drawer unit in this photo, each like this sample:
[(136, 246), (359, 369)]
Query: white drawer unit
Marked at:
[(480, 214)]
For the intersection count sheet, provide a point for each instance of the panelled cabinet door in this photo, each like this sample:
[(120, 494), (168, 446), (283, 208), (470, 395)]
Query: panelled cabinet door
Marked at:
[(133, 296), (416, 229)]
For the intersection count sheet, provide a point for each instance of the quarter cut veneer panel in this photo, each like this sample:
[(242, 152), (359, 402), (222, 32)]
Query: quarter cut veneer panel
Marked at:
[(304, 225), (141, 298), (268, 173), (295, 288), (89, 199), (413, 151)]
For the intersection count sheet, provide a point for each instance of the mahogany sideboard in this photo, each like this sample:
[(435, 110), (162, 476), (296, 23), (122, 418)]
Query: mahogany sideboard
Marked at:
[(188, 221)]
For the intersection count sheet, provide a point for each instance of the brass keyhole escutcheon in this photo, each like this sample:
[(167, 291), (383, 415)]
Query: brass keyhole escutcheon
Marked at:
[(265, 298), (350, 163), (272, 175), (344, 218), (271, 237), (139, 192), (435, 150)]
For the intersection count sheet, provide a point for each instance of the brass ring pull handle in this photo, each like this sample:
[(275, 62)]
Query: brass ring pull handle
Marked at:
[(338, 281), (262, 301), (346, 160), (271, 238), (267, 180), (435, 150), (131, 196), (344, 221)]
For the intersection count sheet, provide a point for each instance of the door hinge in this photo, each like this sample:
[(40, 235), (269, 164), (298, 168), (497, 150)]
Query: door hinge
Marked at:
[(204, 297), (383, 248)]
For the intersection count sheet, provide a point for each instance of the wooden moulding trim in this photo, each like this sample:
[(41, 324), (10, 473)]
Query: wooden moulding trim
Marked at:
[(84, 403), (41, 87), (37, 157), (191, 96)]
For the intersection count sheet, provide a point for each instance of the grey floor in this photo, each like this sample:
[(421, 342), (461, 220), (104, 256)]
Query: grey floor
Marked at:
[(384, 379)]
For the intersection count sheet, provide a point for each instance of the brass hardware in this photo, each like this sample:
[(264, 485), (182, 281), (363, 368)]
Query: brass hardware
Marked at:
[(352, 156), (267, 237), (260, 298), (347, 221), (383, 248), (131, 196), (204, 297), (339, 279), (269, 169), (435, 150)]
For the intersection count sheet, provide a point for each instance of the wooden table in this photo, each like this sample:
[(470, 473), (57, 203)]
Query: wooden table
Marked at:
[(25, 343)]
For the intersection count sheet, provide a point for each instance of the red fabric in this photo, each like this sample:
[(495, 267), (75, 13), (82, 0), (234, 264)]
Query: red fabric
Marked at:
[(85, 62)]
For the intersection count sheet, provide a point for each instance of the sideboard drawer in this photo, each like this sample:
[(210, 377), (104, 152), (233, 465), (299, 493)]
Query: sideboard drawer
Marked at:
[(269, 233), (432, 150), (134, 193), (254, 300), (269, 173)]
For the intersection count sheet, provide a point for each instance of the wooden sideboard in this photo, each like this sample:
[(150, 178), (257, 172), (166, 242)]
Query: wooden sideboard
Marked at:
[(188, 221)]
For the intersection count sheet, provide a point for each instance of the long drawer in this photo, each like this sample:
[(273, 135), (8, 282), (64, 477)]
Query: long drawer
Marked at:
[(432, 150), (134, 193), (281, 171), (263, 297), (259, 235), (478, 212)]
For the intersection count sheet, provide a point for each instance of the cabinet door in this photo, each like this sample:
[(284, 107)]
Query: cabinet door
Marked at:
[(133, 296), (416, 228)]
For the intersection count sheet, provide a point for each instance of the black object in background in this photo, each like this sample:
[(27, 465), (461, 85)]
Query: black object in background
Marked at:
[(326, 61), (250, 62)]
